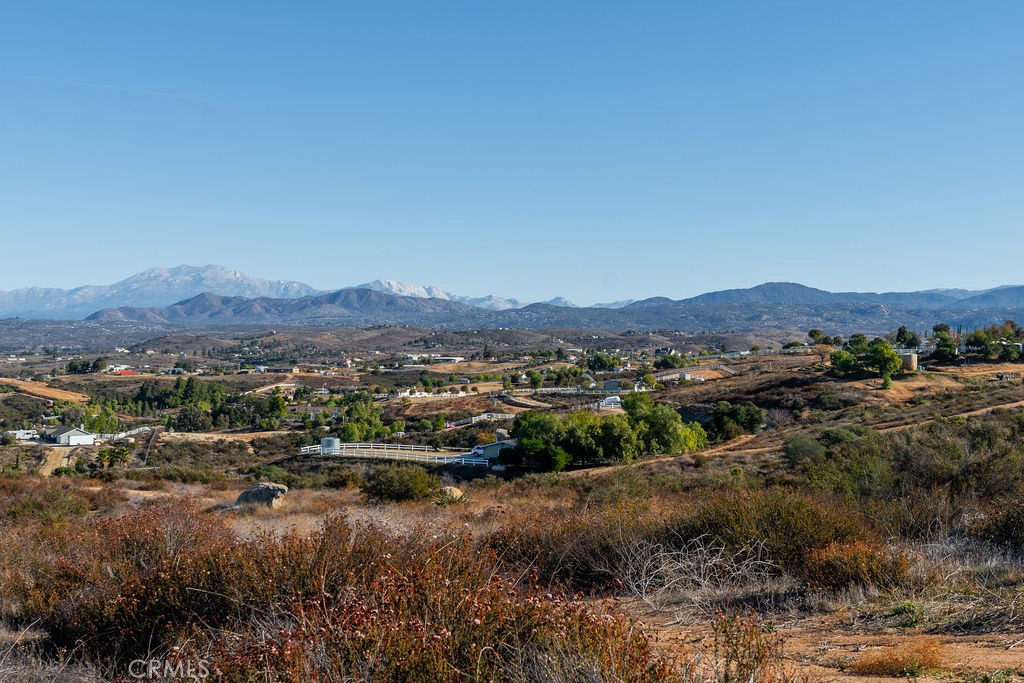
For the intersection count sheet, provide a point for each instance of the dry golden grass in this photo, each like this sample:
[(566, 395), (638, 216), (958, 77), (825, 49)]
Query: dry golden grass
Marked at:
[(909, 658), (40, 390)]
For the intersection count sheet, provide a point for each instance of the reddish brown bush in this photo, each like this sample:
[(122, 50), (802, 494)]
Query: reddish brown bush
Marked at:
[(339, 603), (908, 658), (840, 565)]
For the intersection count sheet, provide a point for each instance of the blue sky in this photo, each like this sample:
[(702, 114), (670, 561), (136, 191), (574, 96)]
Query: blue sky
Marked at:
[(593, 150)]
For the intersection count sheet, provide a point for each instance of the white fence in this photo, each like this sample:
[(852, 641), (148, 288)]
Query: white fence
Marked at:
[(575, 391), (482, 417), (386, 447), (391, 451), (674, 373), (123, 435)]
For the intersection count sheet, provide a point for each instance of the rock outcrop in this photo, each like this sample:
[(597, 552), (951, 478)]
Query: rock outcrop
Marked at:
[(451, 493), (264, 493)]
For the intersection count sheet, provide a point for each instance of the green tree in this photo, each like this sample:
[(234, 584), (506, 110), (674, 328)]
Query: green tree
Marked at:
[(619, 441), (731, 420), (548, 457), (844, 363), (602, 362), (1008, 352), (882, 357), (637, 405), (945, 348), (277, 406), (980, 344), (857, 345), (192, 419), (803, 448), (582, 436), (666, 433), (534, 425), (907, 339)]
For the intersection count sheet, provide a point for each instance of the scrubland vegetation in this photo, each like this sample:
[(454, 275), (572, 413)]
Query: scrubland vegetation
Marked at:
[(917, 530)]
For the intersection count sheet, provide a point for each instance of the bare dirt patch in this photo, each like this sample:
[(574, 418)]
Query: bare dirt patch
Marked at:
[(218, 436), (41, 390), (419, 407)]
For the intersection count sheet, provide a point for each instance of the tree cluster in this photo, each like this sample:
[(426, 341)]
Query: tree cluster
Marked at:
[(734, 419), (204, 406), (674, 360), (549, 442), (997, 341), (859, 356), (818, 337), (84, 367), (600, 362)]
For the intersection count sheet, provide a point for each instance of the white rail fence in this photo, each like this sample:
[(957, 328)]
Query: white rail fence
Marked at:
[(123, 435), (497, 417), (675, 372), (391, 451)]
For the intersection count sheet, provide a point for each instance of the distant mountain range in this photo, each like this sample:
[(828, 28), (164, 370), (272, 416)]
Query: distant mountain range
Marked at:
[(151, 287), (190, 296), (489, 302), (784, 306), (156, 287)]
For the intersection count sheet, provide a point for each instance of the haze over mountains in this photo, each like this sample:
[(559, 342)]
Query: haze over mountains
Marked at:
[(191, 296), (156, 287), (151, 287)]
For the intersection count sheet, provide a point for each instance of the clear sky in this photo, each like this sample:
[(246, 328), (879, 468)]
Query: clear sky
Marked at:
[(595, 150)]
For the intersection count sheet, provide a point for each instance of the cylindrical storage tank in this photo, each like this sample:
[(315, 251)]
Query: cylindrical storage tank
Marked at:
[(330, 445)]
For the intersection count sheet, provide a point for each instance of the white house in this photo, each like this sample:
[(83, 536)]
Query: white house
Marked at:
[(71, 436)]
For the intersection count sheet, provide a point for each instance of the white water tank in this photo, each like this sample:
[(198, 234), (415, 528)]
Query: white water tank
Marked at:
[(330, 445)]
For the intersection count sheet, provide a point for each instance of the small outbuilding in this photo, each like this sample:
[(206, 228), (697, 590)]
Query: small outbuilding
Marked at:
[(22, 434), (909, 360), (491, 451)]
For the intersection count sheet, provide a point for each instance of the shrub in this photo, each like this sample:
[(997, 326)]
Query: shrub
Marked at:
[(271, 473), (840, 565), (400, 482), (732, 420), (1005, 527), (791, 526), (746, 651), (49, 502), (803, 447), (577, 549), (909, 613), (907, 659), (340, 604)]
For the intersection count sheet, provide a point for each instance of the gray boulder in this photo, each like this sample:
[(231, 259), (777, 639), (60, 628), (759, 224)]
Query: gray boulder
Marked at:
[(264, 493), (451, 493)]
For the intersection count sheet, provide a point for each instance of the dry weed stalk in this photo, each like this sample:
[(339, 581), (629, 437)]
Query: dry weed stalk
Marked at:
[(698, 572)]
